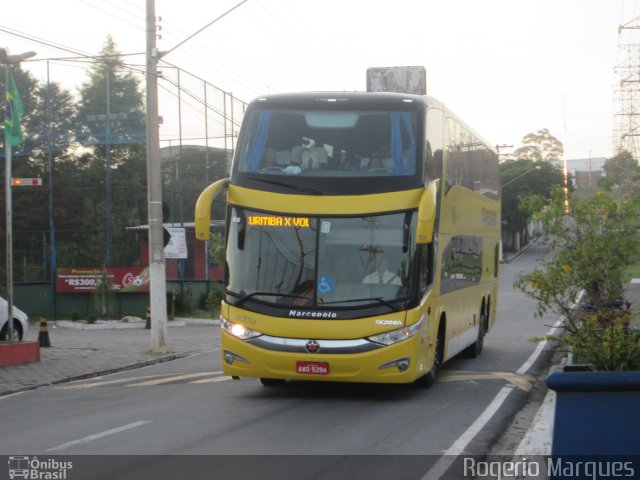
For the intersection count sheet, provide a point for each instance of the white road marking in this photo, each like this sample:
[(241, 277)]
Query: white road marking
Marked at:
[(96, 436), (443, 464), (11, 395), (536, 353), (449, 457)]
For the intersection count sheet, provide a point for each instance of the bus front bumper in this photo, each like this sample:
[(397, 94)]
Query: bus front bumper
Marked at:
[(402, 362)]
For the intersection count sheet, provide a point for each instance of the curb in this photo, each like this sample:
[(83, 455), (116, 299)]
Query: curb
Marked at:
[(118, 325), (509, 259), (538, 439), (84, 376)]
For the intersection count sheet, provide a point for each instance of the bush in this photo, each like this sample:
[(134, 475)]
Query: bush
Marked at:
[(216, 294), (609, 347), (591, 249)]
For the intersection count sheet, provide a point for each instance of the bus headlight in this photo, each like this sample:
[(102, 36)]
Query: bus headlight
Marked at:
[(395, 336), (237, 330)]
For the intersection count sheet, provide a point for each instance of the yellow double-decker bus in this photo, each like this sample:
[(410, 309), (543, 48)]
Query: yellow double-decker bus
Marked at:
[(362, 239)]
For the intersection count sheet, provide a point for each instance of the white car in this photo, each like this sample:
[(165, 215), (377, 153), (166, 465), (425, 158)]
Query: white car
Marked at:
[(20, 322)]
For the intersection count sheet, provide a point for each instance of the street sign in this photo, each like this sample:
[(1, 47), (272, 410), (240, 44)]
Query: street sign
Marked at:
[(26, 182)]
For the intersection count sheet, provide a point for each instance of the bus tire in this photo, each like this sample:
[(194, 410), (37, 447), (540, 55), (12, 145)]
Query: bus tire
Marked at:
[(271, 382), (426, 381), (475, 349)]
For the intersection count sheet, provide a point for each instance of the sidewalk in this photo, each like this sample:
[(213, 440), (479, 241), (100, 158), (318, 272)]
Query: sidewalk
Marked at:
[(81, 353)]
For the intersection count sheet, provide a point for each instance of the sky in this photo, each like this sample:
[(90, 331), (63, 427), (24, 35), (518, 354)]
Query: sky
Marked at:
[(506, 67)]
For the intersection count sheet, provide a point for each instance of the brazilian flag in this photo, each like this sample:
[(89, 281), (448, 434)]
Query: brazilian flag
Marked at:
[(13, 113)]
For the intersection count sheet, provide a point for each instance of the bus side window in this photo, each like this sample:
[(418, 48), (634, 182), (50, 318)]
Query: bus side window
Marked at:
[(435, 144), (426, 267)]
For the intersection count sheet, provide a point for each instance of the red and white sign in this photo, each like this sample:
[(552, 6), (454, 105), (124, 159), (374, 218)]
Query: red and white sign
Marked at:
[(86, 279)]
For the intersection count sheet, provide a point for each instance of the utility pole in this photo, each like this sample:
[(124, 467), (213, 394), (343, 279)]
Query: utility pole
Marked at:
[(158, 287), (9, 60), (53, 261), (500, 147)]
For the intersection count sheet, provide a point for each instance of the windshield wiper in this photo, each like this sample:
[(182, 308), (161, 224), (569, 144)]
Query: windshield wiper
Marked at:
[(377, 299), (243, 298), (278, 183)]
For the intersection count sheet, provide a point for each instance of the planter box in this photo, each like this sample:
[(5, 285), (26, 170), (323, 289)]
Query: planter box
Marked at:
[(18, 353), (597, 413)]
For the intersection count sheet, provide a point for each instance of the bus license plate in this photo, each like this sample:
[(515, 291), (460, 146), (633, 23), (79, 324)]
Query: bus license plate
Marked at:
[(312, 368)]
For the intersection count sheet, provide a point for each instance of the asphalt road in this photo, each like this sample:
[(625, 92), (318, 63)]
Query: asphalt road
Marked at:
[(186, 407)]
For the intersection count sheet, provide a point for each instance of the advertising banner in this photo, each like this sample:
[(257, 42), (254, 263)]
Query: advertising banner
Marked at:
[(86, 279), (177, 246)]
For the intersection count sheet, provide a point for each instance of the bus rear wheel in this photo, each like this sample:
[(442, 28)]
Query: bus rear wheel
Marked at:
[(475, 349)]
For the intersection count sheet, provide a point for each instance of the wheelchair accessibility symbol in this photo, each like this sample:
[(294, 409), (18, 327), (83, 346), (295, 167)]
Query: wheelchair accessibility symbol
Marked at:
[(325, 285)]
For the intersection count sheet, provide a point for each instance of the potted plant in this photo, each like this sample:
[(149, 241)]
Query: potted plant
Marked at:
[(583, 281)]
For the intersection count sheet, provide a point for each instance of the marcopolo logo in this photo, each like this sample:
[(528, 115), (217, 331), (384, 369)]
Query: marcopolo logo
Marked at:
[(311, 314), (35, 469)]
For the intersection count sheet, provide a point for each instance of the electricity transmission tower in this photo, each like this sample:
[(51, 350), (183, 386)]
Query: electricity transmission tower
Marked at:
[(627, 90)]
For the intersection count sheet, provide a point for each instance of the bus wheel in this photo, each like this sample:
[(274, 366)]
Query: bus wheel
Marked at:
[(475, 349), (429, 379), (271, 382)]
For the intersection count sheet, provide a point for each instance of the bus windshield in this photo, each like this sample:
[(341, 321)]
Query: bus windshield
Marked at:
[(320, 262), (328, 143)]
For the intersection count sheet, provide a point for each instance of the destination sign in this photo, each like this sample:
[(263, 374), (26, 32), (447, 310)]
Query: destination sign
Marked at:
[(270, 221)]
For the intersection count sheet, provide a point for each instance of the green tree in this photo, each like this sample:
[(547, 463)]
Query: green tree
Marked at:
[(79, 212), (112, 117), (623, 171), (525, 185), (52, 124), (49, 130), (186, 172), (112, 89), (592, 247), (540, 146)]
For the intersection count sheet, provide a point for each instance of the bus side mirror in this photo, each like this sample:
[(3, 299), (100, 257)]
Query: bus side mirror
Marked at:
[(427, 213), (203, 208)]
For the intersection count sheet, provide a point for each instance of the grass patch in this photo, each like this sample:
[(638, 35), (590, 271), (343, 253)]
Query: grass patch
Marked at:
[(632, 271)]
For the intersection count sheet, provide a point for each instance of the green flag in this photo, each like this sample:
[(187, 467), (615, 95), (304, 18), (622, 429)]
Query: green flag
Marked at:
[(13, 112)]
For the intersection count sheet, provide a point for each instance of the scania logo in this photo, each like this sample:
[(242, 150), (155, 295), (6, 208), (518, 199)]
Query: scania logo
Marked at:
[(312, 346)]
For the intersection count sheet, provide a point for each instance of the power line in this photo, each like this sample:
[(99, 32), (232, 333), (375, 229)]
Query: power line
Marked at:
[(41, 41), (204, 28)]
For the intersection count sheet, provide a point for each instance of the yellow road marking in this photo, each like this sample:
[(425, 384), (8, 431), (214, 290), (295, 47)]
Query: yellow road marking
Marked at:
[(100, 383), (175, 378), (523, 382), (212, 380), (159, 379)]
